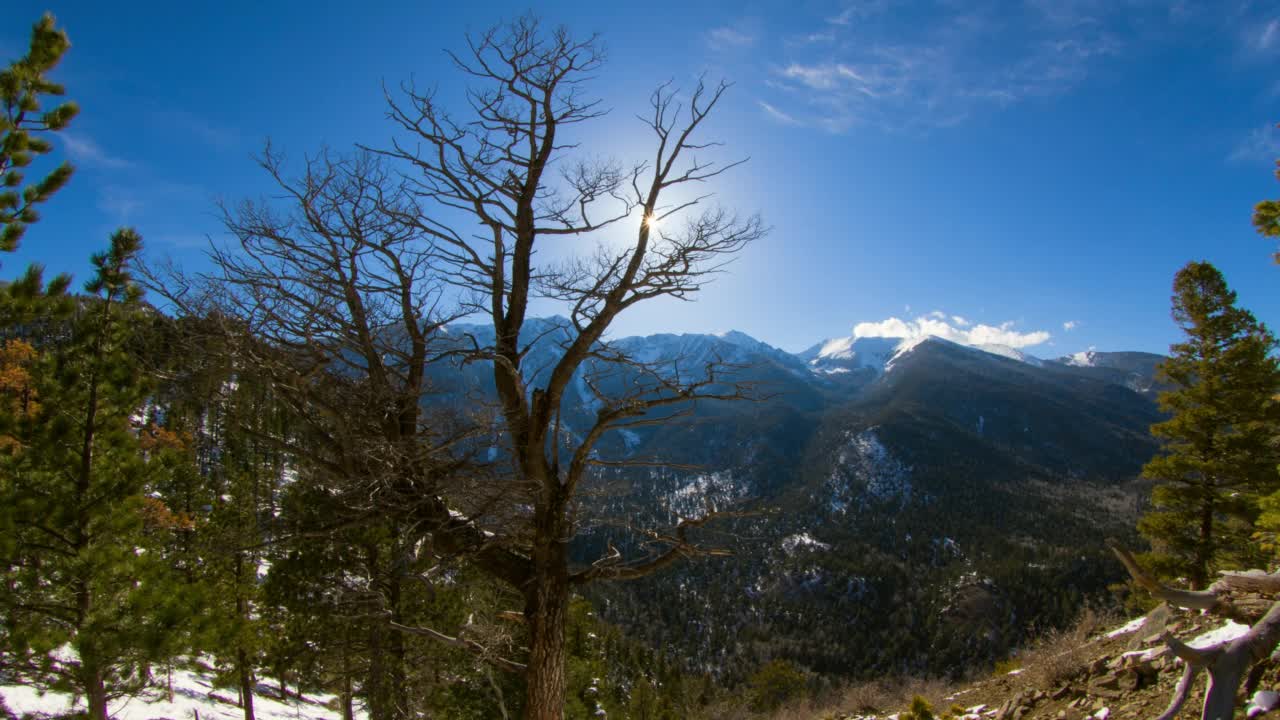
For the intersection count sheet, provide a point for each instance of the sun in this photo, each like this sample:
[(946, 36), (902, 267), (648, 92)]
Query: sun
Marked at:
[(651, 222)]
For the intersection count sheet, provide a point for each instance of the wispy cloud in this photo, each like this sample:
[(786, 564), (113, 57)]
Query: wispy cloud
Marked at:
[(82, 148), (199, 127), (121, 203), (936, 324), (729, 38), (777, 114), (1263, 37), (1270, 32), (1070, 325), (856, 10), (933, 63), (132, 202), (1261, 145)]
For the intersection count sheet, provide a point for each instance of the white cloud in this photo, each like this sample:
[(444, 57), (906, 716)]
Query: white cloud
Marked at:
[(855, 11), (84, 149), (214, 136), (1070, 325), (960, 321), (120, 202), (777, 114), (937, 325), (938, 72), (1262, 144), (1264, 38), (726, 38)]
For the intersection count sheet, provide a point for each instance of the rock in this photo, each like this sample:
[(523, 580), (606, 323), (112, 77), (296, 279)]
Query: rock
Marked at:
[(1263, 701), (1106, 685), (1157, 622), (1129, 680), (1061, 692)]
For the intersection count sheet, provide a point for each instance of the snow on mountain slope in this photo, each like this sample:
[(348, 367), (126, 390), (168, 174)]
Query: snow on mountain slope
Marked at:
[(840, 355), (1086, 358), (1011, 353), (847, 354), (864, 469)]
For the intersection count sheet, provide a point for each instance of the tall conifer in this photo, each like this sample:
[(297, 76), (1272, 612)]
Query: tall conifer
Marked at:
[(1218, 457), (88, 604)]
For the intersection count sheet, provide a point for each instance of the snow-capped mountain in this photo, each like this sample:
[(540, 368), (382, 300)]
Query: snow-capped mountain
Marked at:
[(872, 469), (848, 354)]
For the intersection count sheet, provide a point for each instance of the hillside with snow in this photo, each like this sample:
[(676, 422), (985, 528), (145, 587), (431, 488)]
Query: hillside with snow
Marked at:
[(183, 694)]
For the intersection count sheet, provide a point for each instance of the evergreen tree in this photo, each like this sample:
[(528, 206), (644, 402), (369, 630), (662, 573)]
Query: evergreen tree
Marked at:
[(22, 122), (1218, 456), (88, 604), (222, 492)]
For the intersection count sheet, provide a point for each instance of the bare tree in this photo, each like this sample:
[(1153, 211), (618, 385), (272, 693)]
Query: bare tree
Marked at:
[(1250, 598), (509, 166), (334, 304), (344, 300)]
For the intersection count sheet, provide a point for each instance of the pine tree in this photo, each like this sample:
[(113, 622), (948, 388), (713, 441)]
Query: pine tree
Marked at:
[(88, 603), (220, 490), (22, 122), (1218, 456)]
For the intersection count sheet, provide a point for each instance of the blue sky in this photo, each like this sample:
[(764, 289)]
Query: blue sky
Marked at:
[(1041, 168)]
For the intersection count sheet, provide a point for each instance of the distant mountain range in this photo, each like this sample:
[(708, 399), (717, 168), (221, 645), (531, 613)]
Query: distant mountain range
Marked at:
[(929, 499)]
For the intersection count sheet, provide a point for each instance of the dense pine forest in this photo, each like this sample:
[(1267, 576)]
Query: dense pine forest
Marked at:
[(387, 448)]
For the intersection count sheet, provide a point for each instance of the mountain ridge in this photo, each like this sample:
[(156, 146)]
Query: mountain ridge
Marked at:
[(950, 497)]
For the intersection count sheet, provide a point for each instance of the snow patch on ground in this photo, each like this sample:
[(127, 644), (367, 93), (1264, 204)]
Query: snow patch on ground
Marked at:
[(702, 493), (1226, 633), (1131, 626), (193, 696), (792, 543)]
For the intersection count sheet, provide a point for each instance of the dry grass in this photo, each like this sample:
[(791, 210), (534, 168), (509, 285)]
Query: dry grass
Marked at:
[(1060, 655), (873, 697)]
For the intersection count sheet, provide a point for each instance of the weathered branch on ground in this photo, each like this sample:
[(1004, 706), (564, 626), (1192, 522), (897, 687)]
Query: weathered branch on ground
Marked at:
[(1190, 599), (1226, 663)]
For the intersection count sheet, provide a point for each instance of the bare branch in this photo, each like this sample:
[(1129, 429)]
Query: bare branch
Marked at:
[(472, 646)]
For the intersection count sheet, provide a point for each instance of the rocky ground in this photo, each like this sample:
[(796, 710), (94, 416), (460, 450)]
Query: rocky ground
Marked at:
[(1124, 673)]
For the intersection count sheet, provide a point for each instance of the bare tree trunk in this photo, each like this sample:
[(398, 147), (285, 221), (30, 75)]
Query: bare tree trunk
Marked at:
[(246, 683), (244, 672), (1204, 549), (375, 680), (397, 684), (546, 612), (95, 689), (346, 696)]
